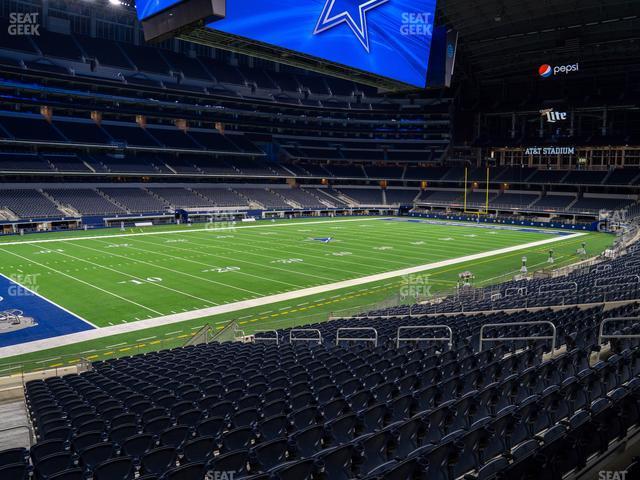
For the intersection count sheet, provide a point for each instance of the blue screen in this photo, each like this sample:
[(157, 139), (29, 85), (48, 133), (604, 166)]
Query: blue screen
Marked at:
[(390, 38), (148, 8)]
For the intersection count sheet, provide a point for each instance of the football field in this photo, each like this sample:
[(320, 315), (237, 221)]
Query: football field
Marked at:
[(106, 292)]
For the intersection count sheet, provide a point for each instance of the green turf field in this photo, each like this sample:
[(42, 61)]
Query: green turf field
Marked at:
[(111, 278)]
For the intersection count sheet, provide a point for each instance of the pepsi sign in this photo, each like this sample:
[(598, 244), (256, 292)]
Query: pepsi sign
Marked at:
[(546, 70)]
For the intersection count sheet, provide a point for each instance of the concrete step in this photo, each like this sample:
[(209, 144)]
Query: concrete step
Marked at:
[(14, 426)]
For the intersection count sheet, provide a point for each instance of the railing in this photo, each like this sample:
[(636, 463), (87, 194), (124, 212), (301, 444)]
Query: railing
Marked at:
[(597, 283), (266, 339), (293, 338), (558, 287), (517, 324), (516, 292), (448, 339), (602, 336), (374, 339)]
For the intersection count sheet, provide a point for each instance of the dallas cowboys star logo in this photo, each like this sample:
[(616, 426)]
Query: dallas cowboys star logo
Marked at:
[(329, 19)]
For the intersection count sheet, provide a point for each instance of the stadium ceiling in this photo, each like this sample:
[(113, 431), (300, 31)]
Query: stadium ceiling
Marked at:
[(504, 38)]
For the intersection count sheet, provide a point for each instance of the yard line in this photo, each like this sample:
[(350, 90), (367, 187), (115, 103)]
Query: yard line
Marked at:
[(173, 232), (172, 270), (83, 282), (269, 257), (159, 285), (39, 345), (237, 260)]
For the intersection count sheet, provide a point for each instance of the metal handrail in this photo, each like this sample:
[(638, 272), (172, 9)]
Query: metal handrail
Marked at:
[(602, 336), (515, 324), (555, 287), (300, 339), (602, 268), (353, 329), (637, 277), (448, 339), (266, 339), (519, 291)]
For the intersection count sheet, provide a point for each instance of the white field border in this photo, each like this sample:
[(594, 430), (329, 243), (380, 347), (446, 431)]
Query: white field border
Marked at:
[(70, 339), (186, 230)]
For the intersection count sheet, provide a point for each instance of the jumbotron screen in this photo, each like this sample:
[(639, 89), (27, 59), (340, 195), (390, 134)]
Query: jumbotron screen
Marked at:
[(385, 38), (149, 8), (390, 38)]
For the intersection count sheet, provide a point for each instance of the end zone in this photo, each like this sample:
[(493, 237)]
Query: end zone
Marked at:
[(49, 320)]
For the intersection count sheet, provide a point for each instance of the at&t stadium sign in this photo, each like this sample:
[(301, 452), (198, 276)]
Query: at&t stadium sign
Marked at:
[(550, 151)]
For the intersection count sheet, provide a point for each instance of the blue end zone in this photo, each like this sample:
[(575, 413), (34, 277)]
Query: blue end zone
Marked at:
[(52, 321)]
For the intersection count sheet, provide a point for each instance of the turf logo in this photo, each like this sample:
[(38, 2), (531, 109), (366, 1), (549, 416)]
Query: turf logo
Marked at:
[(288, 261), (221, 270), (322, 239)]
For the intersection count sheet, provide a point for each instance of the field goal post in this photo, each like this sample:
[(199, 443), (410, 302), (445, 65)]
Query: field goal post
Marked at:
[(479, 211)]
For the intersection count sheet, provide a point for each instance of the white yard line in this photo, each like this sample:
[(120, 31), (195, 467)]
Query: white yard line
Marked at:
[(131, 259), (81, 281), (258, 302), (189, 230), (120, 272)]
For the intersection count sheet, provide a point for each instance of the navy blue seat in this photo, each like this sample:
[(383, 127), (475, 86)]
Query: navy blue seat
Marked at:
[(190, 471), (237, 439), (159, 460), (120, 468), (267, 455), (15, 471), (175, 436), (273, 427), (69, 474), (53, 464), (233, 461), (92, 456), (295, 470), (337, 463), (136, 446), (13, 456), (211, 426), (45, 448)]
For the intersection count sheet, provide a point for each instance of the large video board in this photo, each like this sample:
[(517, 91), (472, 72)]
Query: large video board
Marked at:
[(148, 8), (389, 38)]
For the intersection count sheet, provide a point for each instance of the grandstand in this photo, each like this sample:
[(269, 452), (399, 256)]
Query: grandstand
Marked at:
[(225, 257)]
